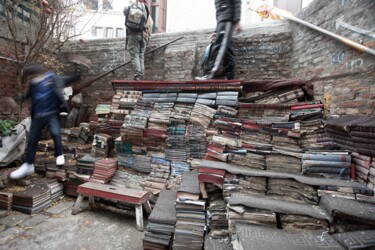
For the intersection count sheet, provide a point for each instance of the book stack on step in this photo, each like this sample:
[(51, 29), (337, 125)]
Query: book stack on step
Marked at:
[(84, 133), (159, 97), (33, 199), (162, 220), (129, 178), (187, 98), (104, 170), (157, 179), (160, 115), (243, 184), (133, 126), (227, 98), (291, 190), (40, 162), (218, 222), (55, 187), (51, 168), (6, 200), (333, 164), (362, 166), (190, 212), (142, 164), (208, 99), (211, 175), (101, 144), (302, 223), (177, 169), (225, 111), (371, 177), (85, 165), (313, 135), (202, 115), (181, 113), (307, 111), (196, 142), (124, 101), (176, 143), (353, 132)]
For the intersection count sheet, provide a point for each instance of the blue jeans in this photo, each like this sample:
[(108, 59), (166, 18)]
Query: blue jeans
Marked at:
[(36, 129)]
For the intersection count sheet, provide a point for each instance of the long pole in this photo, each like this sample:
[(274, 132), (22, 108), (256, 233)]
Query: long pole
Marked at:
[(78, 88), (342, 39)]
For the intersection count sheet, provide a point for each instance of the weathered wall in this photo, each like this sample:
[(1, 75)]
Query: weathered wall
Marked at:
[(343, 74), (8, 80), (263, 52)]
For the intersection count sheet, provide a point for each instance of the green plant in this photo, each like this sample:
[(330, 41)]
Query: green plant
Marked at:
[(6, 126)]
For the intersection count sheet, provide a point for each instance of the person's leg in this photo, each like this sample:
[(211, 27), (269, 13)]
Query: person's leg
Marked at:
[(230, 62), (27, 168), (223, 37), (134, 48), (55, 131), (142, 57)]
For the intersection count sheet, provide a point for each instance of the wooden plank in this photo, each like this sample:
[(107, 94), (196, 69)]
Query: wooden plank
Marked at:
[(111, 192), (77, 205), (147, 207), (202, 187), (91, 201), (139, 217)]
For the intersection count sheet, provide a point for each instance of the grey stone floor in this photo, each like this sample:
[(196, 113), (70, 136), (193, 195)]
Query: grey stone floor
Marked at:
[(56, 228)]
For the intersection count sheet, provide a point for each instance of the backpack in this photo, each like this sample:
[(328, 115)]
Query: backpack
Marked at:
[(208, 60), (136, 17)]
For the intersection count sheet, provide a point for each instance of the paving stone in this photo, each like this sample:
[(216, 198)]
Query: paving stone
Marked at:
[(34, 220), (10, 233), (14, 219), (60, 207), (3, 213)]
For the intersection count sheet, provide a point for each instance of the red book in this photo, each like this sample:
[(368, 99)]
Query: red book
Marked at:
[(215, 171), (311, 106), (210, 178)]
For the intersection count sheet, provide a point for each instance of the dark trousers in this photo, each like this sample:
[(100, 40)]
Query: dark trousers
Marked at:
[(36, 129), (223, 50)]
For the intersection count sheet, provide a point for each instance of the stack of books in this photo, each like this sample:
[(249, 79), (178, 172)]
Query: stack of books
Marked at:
[(6, 200), (190, 212), (33, 199), (85, 165), (161, 223), (104, 170)]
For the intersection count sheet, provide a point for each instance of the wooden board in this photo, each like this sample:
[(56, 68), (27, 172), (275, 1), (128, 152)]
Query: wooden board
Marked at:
[(112, 192)]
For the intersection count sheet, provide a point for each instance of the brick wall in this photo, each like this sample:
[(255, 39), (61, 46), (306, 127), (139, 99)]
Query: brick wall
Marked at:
[(263, 52), (277, 50), (8, 82), (344, 75)]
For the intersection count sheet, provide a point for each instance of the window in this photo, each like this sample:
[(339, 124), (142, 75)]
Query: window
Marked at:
[(119, 32), (97, 31), (91, 4), (109, 32), (107, 5)]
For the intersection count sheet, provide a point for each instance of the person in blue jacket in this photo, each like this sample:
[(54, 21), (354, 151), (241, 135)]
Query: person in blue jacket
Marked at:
[(47, 101), (228, 16)]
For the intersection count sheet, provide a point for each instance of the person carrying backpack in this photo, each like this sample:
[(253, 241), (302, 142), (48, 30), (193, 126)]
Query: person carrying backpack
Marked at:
[(228, 15), (138, 25)]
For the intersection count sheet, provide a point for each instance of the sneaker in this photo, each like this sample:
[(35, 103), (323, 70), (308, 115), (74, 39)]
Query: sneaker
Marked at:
[(60, 160), (206, 77), (26, 169)]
